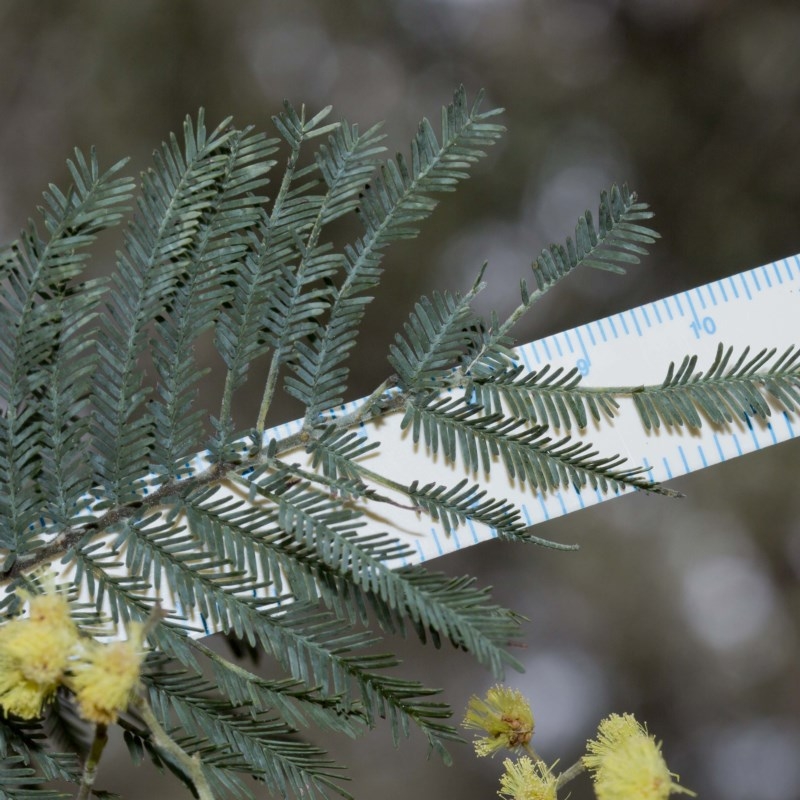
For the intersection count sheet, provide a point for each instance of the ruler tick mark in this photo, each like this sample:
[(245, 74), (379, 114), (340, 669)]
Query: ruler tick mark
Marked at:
[(635, 322), (683, 458), (523, 351), (719, 447)]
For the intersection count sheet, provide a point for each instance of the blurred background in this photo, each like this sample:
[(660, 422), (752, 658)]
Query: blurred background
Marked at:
[(684, 612)]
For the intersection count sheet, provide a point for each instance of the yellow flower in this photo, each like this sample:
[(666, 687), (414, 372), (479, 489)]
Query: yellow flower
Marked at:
[(504, 715), (627, 763), (42, 643), (20, 696), (611, 732), (105, 675), (528, 780), (34, 653)]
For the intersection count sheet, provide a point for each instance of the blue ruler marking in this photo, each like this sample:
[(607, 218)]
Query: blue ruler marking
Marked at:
[(636, 324), (746, 288)]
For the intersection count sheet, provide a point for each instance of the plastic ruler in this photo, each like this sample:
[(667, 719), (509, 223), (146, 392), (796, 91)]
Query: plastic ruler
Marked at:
[(757, 308)]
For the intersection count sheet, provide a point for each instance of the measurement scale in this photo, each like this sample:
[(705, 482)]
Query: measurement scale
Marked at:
[(757, 308)]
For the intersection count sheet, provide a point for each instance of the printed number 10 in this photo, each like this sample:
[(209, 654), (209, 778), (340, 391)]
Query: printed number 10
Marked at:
[(705, 325)]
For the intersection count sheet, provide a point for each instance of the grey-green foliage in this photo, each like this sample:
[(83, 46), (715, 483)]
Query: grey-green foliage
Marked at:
[(206, 248)]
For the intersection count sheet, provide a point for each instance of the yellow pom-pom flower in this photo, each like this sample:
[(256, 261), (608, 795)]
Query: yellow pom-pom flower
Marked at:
[(19, 696), (105, 675), (626, 762), (528, 780), (34, 654), (504, 715), (611, 732)]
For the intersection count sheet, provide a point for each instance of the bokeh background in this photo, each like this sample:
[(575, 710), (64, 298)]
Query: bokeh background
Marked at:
[(684, 612)]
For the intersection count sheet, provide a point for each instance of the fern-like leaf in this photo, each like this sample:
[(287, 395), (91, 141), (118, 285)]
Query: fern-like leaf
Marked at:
[(457, 505), (345, 163), (545, 397), (398, 199), (39, 310), (335, 453), (620, 241), (176, 195), (725, 392), (331, 531), (263, 744), (439, 330), (28, 741), (220, 243), (18, 781), (528, 455), (295, 703)]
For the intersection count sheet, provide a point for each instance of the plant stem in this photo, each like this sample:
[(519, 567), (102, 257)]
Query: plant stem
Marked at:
[(571, 772), (367, 409), (269, 392), (532, 753), (191, 764), (92, 760)]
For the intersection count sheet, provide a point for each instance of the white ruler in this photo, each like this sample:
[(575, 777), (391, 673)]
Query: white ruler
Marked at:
[(759, 308)]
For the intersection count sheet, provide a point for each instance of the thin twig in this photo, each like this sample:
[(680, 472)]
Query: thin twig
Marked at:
[(92, 760), (568, 774), (191, 764)]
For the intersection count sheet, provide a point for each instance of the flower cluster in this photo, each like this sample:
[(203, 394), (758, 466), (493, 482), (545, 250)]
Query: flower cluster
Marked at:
[(44, 650), (505, 715), (528, 780), (34, 655), (104, 676), (626, 762)]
